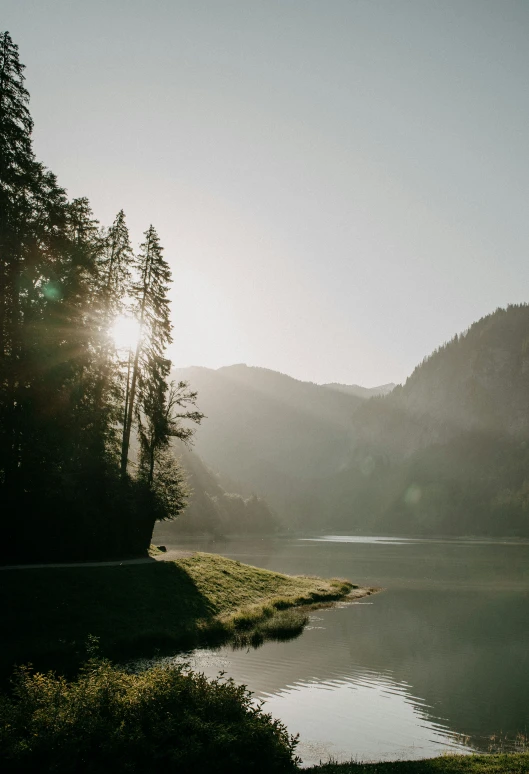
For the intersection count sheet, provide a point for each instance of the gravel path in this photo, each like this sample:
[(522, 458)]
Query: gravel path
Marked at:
[(169, 556)]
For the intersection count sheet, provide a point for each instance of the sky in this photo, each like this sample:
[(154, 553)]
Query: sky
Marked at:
[(340, 186)]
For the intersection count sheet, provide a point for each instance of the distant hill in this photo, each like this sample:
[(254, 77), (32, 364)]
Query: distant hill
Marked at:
[(212, 510), (447, 453), (361, 392), (271, 432)]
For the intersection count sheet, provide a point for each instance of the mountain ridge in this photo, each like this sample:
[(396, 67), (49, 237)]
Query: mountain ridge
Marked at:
[(362, 392), (444, 453)]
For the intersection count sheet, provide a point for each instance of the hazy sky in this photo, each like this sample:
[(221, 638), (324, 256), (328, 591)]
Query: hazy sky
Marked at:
[(340, 185)]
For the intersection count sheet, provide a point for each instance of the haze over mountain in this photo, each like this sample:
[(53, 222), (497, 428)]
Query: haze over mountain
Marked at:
[(362, 392), (446, 453), (270, 432), (212, 509)]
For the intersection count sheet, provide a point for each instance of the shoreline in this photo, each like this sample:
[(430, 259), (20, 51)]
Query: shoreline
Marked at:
[(157, 606), (473, 763)]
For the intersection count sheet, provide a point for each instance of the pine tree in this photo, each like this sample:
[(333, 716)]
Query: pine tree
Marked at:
[(32, 218), (16, 171), (63, 281), (114, 267), (152, 311), (114, 286)]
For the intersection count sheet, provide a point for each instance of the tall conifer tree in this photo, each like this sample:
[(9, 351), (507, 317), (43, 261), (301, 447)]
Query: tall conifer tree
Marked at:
[(114, 287), (32, 218), (62, 284), (152, 310), (16, 171)]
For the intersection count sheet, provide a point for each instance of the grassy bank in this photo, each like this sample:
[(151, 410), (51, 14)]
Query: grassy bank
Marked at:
[(445, 764), (48, 614)]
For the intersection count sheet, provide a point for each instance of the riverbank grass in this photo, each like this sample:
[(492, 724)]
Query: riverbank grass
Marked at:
[(445, 764), (133, 610)]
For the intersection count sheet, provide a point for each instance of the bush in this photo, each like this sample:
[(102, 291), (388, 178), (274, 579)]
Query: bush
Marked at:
[(164, 719)]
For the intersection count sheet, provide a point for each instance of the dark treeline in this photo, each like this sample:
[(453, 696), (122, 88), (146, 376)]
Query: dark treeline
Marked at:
[(84, 324)]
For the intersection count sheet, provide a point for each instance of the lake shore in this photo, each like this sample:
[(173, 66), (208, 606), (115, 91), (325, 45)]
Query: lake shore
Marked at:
[(517, 763), (156, 606)]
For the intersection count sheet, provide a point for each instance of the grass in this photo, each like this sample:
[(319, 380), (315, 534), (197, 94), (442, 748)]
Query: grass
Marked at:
[(49, 614), (445, 764)]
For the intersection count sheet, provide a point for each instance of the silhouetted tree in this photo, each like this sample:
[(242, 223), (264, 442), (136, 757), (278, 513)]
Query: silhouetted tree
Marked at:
[(115, 262), (67, 401), (160, 419), (152, 312)]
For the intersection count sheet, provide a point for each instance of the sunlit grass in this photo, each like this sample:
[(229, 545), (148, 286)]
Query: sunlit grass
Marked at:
[(138, 609), (445, 764)]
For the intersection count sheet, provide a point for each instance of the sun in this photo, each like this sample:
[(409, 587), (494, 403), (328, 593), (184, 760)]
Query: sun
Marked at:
[(125, 332)]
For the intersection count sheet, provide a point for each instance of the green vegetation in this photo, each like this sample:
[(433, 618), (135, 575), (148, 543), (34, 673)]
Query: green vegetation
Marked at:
[(161, 720), (445, 764), (84, 325), (134, 609)]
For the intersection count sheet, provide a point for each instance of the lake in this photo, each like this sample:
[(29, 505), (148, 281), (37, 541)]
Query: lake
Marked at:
[(436, 662)]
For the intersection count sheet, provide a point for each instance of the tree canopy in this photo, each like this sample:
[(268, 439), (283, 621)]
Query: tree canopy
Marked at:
[(86, 414)]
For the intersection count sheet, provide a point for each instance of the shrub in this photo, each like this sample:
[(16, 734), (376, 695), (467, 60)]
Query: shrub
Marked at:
[(164, 719)]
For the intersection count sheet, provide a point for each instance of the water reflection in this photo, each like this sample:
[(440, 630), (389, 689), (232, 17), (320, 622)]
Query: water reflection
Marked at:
[(358, 539), (367, 719), (363, 714), (441, 653)]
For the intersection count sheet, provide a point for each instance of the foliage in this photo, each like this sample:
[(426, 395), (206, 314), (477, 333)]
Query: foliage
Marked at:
[(71, 397), (475, 484), (108, 720), (448, 452)]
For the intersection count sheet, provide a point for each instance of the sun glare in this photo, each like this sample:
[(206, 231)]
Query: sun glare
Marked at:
[(125, 332)]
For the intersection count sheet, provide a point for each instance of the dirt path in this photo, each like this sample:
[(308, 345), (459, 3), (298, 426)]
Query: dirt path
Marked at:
[(170, 556)]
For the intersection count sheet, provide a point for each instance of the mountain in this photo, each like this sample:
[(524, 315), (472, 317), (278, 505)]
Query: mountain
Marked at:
[(477, 382), (362, 392), (214, 511), (447, 453), (271, 432)]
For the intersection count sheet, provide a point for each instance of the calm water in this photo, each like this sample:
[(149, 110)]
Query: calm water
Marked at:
[(436, 662)]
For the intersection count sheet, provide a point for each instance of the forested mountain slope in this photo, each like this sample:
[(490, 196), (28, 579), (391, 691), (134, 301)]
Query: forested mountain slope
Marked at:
[(477, 382), (447, 453), (211, 509), (271, 432)]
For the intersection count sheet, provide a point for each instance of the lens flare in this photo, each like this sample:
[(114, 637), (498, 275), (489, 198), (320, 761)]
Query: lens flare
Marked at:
[(125, 332)]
